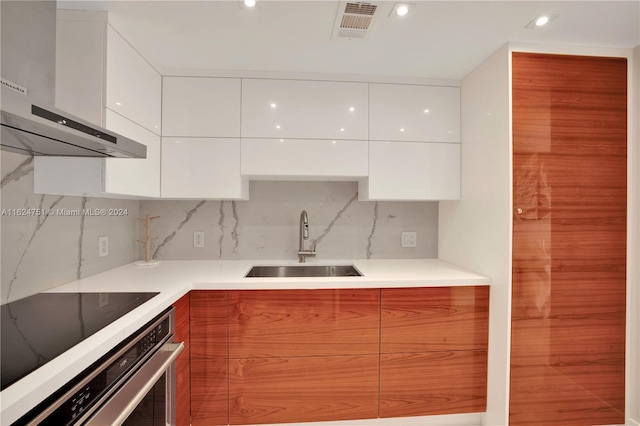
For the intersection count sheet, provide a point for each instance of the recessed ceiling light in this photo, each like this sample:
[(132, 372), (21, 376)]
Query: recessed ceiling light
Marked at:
[(426, 111), (250, 3), (402, 9), (352, 109), (541, 21), (273, 105)]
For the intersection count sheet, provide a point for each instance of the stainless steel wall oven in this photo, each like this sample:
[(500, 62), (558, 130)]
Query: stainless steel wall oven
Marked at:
[(134, 384)]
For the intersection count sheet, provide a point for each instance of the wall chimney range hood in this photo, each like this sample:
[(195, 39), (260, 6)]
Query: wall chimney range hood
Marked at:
[(29, 128)]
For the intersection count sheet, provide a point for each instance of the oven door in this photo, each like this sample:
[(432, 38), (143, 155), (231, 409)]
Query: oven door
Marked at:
[(147, 397)]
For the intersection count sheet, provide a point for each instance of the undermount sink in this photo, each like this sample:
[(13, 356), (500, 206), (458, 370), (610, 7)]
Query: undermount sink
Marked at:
[(303, 271)]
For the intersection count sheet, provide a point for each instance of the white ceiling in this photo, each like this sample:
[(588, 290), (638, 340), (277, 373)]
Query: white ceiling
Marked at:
[(438, 39)]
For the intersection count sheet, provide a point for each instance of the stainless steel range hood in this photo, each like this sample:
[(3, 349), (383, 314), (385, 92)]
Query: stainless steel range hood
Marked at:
[(30, 123), (34, 129)]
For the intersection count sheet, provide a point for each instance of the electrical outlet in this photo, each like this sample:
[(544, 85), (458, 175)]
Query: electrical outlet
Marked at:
[(103, 246), (198, 239), (409, 239)]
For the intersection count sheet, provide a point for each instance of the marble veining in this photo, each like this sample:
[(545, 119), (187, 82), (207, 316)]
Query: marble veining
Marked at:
[(83, 206), (23, 169), (329, 227), (40, 222), (169, 237), (373, 229), (266, 227), (54, 242)]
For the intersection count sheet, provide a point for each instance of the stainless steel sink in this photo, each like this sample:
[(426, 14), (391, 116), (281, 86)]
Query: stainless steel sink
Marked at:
[(303, 271)]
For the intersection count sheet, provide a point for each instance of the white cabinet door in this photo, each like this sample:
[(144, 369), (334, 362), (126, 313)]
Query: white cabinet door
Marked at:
[(80, 68), (201, 106), (414, 113), (304, 159), (82, 79), (202, 168), (133, 86), (132, 176), (304, 109), (412, 171)]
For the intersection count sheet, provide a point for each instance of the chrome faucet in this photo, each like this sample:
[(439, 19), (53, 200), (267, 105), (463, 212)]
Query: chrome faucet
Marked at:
[(304, 235)]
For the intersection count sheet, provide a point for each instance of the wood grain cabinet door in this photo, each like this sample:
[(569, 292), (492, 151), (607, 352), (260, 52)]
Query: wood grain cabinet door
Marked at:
[(209, 358), (433, 357), (303, 355), (287, 323)]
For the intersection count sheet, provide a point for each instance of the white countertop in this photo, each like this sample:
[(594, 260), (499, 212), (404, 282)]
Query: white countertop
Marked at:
[(173, 279)]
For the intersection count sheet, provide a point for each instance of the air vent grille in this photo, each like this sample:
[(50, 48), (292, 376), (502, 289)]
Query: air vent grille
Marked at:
[(360, 9), (355, 20)]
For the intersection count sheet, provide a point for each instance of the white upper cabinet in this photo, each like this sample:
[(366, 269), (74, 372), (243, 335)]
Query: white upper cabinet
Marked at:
[(202, 168), (301, 109), (412, 171), (201, 106), (133, 86), (305, 159), (102, 79), (414, 113)]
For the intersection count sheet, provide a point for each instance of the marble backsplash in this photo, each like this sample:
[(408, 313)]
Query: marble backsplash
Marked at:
[(41, 251), (266, 227)]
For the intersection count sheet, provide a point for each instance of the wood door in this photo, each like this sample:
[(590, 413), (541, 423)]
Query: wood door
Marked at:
[(569, 240)]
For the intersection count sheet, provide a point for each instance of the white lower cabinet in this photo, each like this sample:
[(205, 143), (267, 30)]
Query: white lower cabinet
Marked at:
[(104, 177), (196, 168), (304, 159), (412, 171)]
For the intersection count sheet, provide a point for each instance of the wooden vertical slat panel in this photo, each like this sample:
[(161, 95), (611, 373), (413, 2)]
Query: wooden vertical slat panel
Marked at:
[(209, 358), (183, 374), (569, 240), (209, 337), (209, 391)]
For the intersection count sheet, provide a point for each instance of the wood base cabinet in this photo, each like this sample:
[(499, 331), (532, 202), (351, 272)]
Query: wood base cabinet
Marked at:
[(284, 356), (433, 351)]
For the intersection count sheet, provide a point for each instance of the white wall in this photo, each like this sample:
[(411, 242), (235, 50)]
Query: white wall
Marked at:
[(476, 232)]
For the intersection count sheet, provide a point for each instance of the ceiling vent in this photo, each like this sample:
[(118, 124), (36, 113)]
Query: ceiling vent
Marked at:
[(354, 19)]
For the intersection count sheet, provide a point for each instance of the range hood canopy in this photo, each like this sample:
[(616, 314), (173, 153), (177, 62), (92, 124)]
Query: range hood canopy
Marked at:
[(29, 128)]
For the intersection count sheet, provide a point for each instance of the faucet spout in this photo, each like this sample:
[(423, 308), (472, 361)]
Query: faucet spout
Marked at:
[(304, 235)]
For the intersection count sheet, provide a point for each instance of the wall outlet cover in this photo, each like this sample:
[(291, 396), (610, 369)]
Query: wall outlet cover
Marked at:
[(103, 246), (198, 239), (409, 239)]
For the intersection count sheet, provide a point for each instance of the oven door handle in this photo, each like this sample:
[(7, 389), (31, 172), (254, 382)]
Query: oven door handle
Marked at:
[(121, 404)]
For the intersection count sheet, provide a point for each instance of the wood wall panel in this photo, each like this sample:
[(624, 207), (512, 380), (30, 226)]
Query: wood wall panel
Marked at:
[(286, 323), (446, 382), (303, 389), (569, 240), (183, 374), (209, 337), (209, 391), (437, 318)]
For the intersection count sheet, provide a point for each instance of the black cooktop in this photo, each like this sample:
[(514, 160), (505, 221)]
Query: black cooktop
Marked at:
[(38, 328)]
